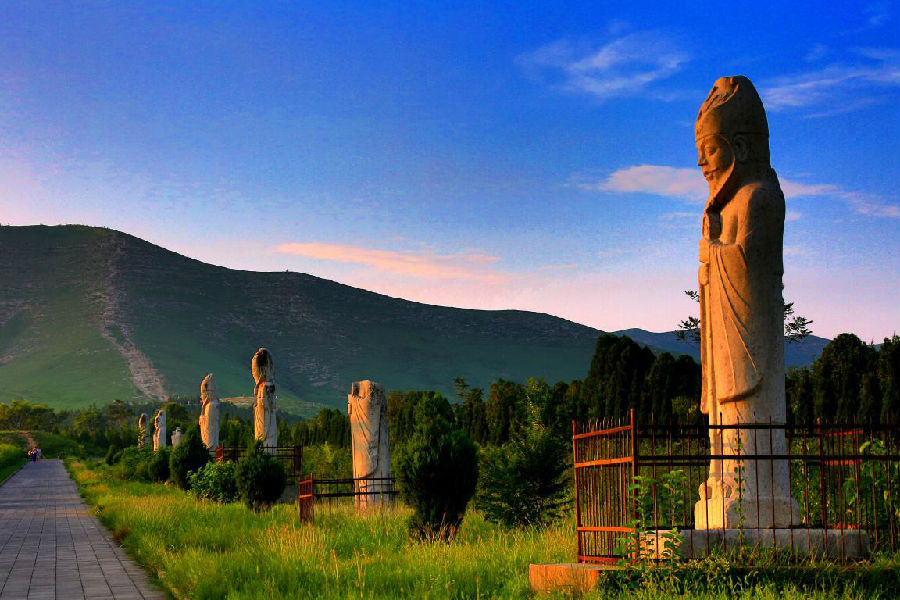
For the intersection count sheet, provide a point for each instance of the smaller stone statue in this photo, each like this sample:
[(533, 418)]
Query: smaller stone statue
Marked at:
[(142, 429), (209, 412), (265, 425), (159, 430), (367, 409), (176, 437)]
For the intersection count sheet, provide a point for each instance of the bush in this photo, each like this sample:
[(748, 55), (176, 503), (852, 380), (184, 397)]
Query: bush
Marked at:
[(133, 463), (158, 465), (113, 455), (10, 455), (437, 473), (260, 478), (188, 456), (215, 481), (523, 481)]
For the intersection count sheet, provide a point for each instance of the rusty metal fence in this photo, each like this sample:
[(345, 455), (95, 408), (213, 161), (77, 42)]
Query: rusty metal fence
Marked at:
[(632, 478)]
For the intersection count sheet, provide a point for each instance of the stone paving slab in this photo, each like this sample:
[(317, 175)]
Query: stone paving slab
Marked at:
[(52, 548)]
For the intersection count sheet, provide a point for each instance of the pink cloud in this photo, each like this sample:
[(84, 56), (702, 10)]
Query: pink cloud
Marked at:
[(466, 266)]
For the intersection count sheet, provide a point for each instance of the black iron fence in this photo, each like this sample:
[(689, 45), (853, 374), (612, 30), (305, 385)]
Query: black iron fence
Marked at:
[(290, 456), (633, 480)]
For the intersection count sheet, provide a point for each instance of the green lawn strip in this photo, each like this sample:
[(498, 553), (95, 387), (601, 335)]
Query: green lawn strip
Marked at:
[(9, 470), (199, 549), (205, 550)]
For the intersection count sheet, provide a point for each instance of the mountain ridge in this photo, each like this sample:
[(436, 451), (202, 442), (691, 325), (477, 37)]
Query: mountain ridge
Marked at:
[(92, 314)]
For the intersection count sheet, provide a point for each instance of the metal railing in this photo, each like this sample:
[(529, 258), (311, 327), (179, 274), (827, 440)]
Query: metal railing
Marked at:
[(632, 479)]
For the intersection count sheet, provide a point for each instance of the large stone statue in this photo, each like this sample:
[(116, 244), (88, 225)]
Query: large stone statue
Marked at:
[(159, 430), (264, 424), (209, 412), (367, 408), (742, 346), (142, 429), (177, 436)]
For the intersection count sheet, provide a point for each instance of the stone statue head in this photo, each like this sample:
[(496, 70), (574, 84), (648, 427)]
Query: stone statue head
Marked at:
[(732, 135), (208, 392), (142, 421), (262, 366)]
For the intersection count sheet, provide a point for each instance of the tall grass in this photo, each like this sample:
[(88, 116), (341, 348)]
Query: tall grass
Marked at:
[(12, 457), (199, 549)]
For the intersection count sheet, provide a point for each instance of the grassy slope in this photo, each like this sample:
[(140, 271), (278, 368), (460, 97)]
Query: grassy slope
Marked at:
[(190, 318), (50, 340), (205, 550)]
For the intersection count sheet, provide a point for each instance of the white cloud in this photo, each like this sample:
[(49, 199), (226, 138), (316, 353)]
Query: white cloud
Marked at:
[(622, 67), (688, 184), (654, 179), (872, 76)]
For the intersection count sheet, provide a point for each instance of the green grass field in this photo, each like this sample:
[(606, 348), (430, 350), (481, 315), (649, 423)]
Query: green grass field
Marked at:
[(205, 550)]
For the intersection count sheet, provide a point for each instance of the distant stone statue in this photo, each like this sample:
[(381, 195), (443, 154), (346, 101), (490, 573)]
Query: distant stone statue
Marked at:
[(142, 429), (209, 412), (265, 425), (177, 437), (742, 346), (367, 408), (159, 430)]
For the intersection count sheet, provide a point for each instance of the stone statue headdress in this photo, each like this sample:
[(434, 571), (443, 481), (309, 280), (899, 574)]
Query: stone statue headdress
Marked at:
[(734, 109)]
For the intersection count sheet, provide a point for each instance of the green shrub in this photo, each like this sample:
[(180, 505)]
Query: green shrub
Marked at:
[(158, 465), (215, 481), (133, 463), (113, 455), (10, 455), (260, 478), (188, 456), (437, 473), (523, 482)]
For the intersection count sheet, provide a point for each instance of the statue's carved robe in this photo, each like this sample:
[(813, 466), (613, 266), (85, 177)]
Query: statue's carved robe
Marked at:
[(742, 337)]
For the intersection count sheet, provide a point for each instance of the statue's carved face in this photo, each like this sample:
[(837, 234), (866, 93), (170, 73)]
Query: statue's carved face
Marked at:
[(715, 159)]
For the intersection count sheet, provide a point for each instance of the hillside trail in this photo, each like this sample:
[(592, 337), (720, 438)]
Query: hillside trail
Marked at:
[(144, 376), (28, 439)]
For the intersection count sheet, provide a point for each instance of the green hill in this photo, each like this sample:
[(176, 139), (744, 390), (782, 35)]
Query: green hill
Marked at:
[(88, 315)]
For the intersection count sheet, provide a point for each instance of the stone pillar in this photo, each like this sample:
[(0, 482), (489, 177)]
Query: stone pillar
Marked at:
[(142, 429), (159, 430), (742, 343), (367, 408), (209, 412), (176, 437), (265, 425)]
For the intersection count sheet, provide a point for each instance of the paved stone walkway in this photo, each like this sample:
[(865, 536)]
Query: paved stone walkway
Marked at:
[(51, 547)]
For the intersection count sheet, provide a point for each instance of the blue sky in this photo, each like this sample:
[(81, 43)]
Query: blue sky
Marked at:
[(521, 155)]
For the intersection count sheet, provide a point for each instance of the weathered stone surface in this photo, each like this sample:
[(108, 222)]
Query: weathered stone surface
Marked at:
[(843, 544), (177, 437), (142, 429), (367, 408), (159, 430), (742, 346), (209, 412), (265, 425)]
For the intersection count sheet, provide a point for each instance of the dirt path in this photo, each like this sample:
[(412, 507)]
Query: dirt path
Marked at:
[(146, 378)]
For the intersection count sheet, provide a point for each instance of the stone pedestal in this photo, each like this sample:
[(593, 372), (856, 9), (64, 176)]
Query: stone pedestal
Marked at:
[(570, 579), (367, 409), (843, 544)]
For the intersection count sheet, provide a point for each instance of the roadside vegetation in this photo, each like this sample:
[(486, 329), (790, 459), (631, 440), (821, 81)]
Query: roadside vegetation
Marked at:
[(202, 549)]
